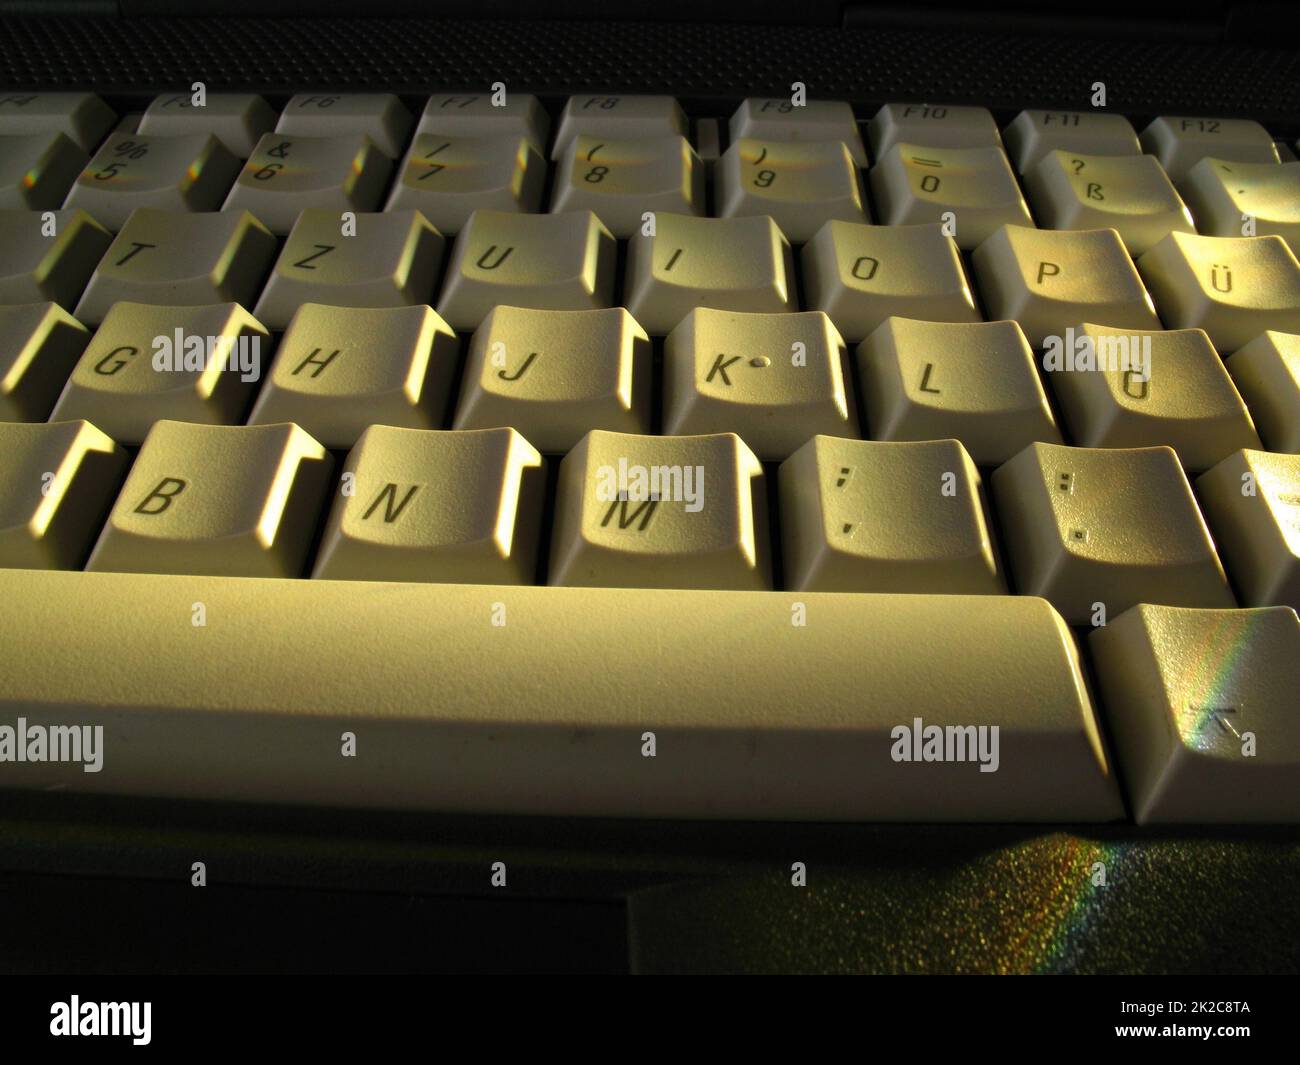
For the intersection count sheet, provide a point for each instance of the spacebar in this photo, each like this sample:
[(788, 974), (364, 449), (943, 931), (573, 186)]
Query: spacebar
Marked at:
[(535, 700)]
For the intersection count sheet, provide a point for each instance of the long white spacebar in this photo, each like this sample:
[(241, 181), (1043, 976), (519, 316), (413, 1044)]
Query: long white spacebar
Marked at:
[(535, 700)]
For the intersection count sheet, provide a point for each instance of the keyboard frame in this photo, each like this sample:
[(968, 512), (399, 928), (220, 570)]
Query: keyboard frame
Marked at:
[(695, 895)]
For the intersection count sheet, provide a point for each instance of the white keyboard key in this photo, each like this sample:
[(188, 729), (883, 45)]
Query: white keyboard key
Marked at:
[(556, 375), (286, 175), (40, 343), (799, 186), (237, 120), (1232, 287), (146, 363), (453, 507), (1252, 502), (37, 170), (931, 126), (559, 261), (1093, 529), (180, 257), (660, 512), (48, 259), (734, 264), (620, 180), (1033, 134), (387, 259), (447, 179), (1201, 707), (339, 370), (1135, 388), (1267, 374), (971, 190), (776, 380), (233, 500), (1128, 193), (379, 116), (1228, 198), (860, 275), (1049, 280), (729, 674), (866, 516), (782, 121), (476, 115), (81, 116), (1181, 142), (182, 173), (974, 382), (622, 118), (56, 483)]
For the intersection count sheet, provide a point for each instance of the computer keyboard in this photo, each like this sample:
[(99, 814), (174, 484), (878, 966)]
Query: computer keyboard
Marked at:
[(901, 465)]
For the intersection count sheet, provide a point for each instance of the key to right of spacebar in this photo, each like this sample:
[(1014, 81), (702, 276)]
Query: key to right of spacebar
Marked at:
[(566, 701)]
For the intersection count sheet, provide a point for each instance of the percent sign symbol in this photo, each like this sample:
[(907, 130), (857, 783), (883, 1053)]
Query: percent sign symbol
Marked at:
[(131, 150)]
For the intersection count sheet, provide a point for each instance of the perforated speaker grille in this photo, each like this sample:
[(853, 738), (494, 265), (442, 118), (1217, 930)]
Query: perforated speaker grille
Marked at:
[(700, 63)]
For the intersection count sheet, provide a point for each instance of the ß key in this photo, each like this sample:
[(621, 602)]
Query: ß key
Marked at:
[(180, 173), (460, 507), (387, 259), (1127, 193), (234, 500), (180, 257), (287, 174)]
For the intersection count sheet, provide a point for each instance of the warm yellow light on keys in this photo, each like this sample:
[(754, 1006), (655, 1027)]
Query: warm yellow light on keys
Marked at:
[(230, 500), (56, 481), (1232, 287), (420, 505), (1267, 374), (1088, 528), (1202, 710), (1252, 501), (867, 516), (660, 512)]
